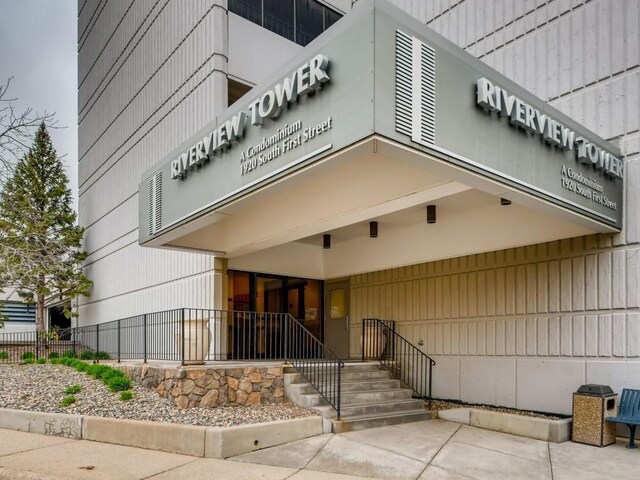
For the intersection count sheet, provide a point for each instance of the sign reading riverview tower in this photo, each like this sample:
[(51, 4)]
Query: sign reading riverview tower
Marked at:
[(307, 78), (494, 98)]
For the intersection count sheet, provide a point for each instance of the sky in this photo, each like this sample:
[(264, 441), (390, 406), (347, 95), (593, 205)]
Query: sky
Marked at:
[(38, 48)]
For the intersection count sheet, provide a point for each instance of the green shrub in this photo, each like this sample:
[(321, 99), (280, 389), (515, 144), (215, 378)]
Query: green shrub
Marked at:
[(73, 389), (4, 355), (55, 361), (97, 371), (126, 395), (87, 355), (80, 366), (118, 384), (27, 355), (68, 400), (70, 354), (41, 361), (102, 356), (29, 360), (53, 355)]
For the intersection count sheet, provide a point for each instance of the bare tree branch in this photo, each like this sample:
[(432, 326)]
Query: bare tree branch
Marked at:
[(17, 129)]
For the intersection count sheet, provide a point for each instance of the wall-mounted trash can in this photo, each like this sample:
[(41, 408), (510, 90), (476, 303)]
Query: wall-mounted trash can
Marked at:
[(592, 405)]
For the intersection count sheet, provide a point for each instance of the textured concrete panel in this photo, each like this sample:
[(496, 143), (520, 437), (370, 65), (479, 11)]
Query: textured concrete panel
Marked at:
[(548, 384)]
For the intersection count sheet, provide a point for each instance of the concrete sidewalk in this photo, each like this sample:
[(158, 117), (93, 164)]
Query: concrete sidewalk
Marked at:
[(424, 450)]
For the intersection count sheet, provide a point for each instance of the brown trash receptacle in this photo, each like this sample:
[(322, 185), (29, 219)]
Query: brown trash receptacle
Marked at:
[(592, 405)]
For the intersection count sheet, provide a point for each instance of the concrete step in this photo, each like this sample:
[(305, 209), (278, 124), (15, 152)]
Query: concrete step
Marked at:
[(387, 407), (369, 385), (374, 396), (355, 375), (350, 424)]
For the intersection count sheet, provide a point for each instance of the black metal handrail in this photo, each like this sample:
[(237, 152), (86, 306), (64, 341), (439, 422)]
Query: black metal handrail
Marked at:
[(315, 362), (404, 360)]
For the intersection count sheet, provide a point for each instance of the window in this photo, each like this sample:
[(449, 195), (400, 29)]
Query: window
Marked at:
[(18, 312), (235, 91), (278, 17), (298, 20)]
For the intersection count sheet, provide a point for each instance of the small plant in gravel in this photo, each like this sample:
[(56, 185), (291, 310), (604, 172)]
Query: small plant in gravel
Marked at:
[(4, 355), (87, 355), (41, 361), (27, 355), (68, 400), (73, 389), (69, 354), (126, 395), (28, 361), (53, 355), (119, 384)]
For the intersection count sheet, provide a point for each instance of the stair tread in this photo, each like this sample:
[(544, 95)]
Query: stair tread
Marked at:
[(405, 413), (386, 402)]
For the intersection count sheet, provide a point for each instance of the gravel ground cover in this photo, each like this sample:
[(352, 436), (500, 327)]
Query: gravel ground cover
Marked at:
[(41, 388), (444, 405)]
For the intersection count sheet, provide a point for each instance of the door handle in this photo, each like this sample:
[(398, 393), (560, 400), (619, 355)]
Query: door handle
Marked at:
[(346, 322)]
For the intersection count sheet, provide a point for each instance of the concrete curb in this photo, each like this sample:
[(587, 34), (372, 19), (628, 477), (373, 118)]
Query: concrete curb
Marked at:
[(54, 424), (230, 441), (166, 437), (198, 441), (548, 430)]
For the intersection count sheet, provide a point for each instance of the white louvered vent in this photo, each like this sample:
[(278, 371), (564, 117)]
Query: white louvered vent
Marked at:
[(155, 203), (403, 83), (415, 89)]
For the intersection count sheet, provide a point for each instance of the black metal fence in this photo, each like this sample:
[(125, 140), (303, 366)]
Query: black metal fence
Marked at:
[(405, 361), (190, 336)]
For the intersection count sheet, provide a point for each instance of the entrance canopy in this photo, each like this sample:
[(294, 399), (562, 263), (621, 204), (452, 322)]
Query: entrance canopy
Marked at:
[(373, 122)]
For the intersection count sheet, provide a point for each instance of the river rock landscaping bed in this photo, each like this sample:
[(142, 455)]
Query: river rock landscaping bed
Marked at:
[(42, 388), (445, 405)]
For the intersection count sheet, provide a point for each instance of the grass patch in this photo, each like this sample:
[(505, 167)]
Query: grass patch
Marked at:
[(113, 378), (86, 355), (73, 389), (41, 361), (53, 355), (27, 355), (126, 395), (68, 400), (29, 361), (119, 384), (4, 355), (70, 354)]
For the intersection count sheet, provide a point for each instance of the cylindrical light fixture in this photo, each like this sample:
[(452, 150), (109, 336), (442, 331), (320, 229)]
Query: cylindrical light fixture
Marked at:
[(431, 214), (373, 229), (326, 241), (505, 201)]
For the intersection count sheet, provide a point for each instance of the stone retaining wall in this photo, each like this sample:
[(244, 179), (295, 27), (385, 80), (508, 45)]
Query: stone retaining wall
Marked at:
[(211, 387)]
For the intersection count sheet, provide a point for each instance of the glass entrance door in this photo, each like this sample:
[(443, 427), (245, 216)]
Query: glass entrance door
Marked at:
[(261, 295)]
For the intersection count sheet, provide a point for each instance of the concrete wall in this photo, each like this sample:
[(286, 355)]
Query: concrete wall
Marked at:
[(150, 75), (525, 327), (521, 327)]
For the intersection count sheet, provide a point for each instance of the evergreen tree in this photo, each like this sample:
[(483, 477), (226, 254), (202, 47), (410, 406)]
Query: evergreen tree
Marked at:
[(41, 251)]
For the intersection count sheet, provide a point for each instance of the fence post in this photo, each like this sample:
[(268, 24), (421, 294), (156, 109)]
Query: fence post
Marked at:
[(182, 335), (286, 337), (118, 341), (37, 345), (144, 337), (98, 339), (364, 337), (339, 391)]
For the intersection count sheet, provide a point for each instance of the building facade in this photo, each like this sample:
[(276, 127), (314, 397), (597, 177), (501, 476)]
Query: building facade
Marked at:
[(519, 303)]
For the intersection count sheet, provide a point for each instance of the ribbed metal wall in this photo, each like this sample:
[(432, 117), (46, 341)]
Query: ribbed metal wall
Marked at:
[(151, 73)]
